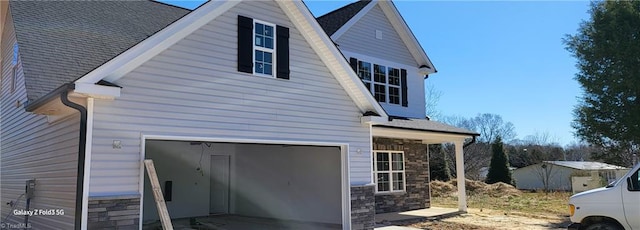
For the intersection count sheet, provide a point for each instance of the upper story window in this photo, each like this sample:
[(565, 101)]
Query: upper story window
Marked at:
[(387, 84), (263, 48)]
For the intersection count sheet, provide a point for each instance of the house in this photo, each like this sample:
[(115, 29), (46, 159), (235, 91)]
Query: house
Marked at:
[(566, 175), (245, 112)]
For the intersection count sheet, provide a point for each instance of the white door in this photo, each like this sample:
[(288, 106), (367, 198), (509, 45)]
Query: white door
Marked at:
[(219, 201), (631, 200)]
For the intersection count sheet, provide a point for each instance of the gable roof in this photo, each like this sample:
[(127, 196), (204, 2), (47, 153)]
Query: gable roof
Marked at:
[(337, 22), (61, 41), (45, 78), (585, 165), (334, 20)]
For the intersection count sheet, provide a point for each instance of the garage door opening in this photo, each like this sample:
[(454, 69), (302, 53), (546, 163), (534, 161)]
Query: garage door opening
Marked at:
[(212, 185)]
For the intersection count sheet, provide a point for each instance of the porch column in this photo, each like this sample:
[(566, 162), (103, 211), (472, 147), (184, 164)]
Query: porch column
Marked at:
[(462, 195)]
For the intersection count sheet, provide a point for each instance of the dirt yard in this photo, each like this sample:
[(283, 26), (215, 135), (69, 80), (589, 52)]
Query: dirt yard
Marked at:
[(498, 206)]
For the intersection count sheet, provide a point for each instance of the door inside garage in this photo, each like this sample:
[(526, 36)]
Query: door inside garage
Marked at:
[(212, 184)]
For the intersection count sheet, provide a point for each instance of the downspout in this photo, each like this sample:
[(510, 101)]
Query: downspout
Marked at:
[(473, 140), (81, 153)]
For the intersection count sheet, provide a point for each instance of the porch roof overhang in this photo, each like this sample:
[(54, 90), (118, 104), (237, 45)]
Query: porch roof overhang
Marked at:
[(430, 132)]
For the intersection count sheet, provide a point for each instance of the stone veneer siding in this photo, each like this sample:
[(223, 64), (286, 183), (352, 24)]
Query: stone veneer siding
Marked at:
[(417, 194), (362, 207), (122, 212)]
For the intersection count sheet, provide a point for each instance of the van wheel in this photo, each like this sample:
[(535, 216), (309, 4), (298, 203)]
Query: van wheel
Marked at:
[(602, 226)]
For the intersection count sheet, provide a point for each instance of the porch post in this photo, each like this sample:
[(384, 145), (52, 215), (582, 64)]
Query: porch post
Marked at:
[(462, 195)]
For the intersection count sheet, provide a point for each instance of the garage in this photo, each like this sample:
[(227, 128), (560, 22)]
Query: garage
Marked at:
[(226, 185)]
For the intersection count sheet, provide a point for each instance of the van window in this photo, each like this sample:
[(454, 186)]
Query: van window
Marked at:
[(635, 182)]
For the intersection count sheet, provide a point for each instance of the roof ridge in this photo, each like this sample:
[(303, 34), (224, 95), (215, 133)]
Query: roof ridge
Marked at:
[(174, 6), (334, 20), (342, 8)]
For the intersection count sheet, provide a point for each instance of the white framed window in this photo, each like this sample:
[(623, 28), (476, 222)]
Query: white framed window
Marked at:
[(264, 48), (383, 82), (388, 171)]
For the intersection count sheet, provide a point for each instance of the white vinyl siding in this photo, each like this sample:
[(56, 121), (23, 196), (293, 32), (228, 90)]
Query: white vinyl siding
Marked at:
[(31, 148), (361, 38), (194, 89)]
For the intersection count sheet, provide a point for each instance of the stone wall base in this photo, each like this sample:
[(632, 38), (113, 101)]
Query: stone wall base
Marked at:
[(362, 207), (121, 212)]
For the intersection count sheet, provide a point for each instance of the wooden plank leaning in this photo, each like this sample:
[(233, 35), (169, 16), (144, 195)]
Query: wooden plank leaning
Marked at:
[(157, 194)]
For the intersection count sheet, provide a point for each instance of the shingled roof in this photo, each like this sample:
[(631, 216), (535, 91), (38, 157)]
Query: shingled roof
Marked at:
[(60, 41), (426, 125), (333, 20)]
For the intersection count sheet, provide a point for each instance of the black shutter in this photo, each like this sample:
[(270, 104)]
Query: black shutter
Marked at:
[(354, 64), (282, 52), (245, 44), (403, 82)]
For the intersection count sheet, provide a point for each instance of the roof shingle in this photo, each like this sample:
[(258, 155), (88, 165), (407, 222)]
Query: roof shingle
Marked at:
[(60, 41), (332, 21)]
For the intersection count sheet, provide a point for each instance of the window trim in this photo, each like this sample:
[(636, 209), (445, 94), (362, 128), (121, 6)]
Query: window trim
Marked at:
[(390, 171), (387, 85), (274, 56)]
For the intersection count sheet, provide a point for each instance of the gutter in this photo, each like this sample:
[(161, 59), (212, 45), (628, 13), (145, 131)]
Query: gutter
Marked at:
[(470, 143), (81, 152)]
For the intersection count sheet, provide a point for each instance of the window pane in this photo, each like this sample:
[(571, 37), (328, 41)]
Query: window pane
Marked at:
[(379, 74), (396, 156), (394, 95), (268, 69), (259, 67), (268, 42), (398, 181), (380, 93), (397, 163), (258, 55), (382, 162), (268, 31), (383, 187), (259, 28), (394, 76), (268, 57), (364, 70), (383, 182), (259, 41)]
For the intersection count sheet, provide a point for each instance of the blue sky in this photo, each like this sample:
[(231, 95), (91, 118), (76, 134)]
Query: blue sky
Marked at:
[(500, 57)]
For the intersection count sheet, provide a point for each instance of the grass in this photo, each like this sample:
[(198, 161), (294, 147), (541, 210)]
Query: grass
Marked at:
[(531, 203)]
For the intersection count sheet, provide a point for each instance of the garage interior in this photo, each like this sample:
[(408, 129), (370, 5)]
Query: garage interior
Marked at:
[(245, 186)]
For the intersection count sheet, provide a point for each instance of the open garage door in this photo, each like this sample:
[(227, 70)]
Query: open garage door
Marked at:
[(207, 183)]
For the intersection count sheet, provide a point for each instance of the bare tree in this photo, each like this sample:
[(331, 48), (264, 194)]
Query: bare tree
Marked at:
[(490, 126), (546, 173), (542, 138), (579, 151), (478, 155), (432, 97)]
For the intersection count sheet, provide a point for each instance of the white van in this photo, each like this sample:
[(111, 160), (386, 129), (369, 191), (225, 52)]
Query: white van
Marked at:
[(615, 207)]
